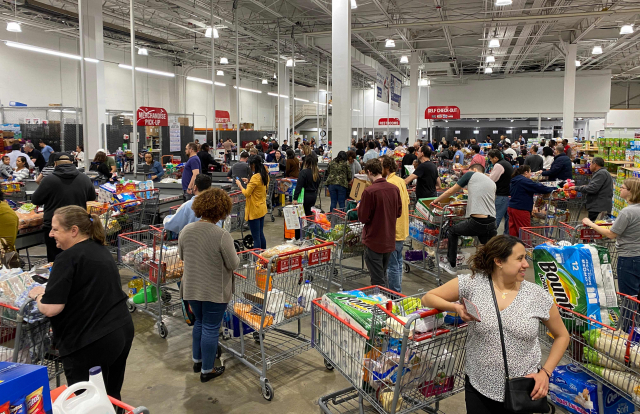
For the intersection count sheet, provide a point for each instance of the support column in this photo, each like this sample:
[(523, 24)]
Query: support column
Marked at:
[(283, 104), (568, 103), (94, 78), (341, 74), (539, 126), (413, 98)]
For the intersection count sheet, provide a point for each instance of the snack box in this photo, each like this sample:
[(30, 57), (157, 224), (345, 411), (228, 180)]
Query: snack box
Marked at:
[(24, 385), (272, 166)]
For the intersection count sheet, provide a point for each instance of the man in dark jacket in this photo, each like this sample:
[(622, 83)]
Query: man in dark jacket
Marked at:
[(561, 166), (35, 155), (599, 191), (206, 159), (64, 187)]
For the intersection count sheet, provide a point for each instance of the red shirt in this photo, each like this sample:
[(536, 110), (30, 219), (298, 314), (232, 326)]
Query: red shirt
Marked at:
[(380, 207)]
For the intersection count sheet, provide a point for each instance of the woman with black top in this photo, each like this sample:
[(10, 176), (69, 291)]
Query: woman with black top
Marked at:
[(99, 164), (282, 162), (84, 301), (309, 179), (360, 149)]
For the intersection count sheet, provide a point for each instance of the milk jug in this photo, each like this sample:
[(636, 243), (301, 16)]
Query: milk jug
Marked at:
[(94, 400), (307, 294)]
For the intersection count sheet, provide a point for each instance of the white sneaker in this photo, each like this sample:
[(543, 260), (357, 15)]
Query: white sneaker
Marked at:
[(447, 268)]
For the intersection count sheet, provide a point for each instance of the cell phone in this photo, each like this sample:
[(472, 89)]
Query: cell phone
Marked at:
[(471, 309)]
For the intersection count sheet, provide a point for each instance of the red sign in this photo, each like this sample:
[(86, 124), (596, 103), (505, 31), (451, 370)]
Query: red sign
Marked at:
[(289, 263), (318, 257), (442, 112), (222, 117), (389, 121), (148, 116)]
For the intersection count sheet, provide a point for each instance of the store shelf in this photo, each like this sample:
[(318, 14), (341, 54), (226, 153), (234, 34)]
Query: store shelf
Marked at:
[(589, 149), (619, 162), (632, 169)]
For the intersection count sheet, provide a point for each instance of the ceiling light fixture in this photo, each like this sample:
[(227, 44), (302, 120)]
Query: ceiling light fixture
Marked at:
[(494, 43), (47, 51), (290, 63), (512, 120), (224, 61), (300, 99), (14, 27), (390, 43), (424, 82), (143, 51), (274, 76), (208, 33), (578, 63), (477, 120), (491, 59), (248, 90), (597, 50), (208, 81), (151, 71), (404, 59), (503, 2), (353, 4), (265, 82), (276, 95), (219, 73), (488, 71), (626, 29)]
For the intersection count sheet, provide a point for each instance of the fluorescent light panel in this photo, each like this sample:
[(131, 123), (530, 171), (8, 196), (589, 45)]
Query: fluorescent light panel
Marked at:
[(47, 51), (276, 95), (208, 81), (151, 71), (248, 90), (300, 99)]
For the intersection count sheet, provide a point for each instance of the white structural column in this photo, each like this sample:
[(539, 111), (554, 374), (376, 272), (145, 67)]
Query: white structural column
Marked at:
[(283, 105), (94, 77), (413, 98), (568, 104), (341, 75)]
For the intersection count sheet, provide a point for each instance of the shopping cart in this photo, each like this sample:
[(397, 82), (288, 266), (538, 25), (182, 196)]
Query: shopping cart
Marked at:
[(342, 228), (27, 339), (271, 192), (153, 256), (430, 235), (150, 206), (117, 219), (534, 236), (235, 221), (394, 365), (608, 353), (16, 190), (269, 294), (563, 209), (579, 233)]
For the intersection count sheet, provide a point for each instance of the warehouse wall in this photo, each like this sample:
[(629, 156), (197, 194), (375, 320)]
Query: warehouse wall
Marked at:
[(619, 90)]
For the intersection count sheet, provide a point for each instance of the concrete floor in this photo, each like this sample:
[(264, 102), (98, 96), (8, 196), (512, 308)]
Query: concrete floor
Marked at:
[(159, 371)]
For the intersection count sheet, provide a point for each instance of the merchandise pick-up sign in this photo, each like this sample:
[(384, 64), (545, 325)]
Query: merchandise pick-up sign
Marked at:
[(442, 112), (148, 116)]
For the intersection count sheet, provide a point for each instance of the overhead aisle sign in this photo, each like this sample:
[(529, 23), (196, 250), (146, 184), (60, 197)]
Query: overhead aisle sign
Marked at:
[(442, 112), (148, 116)]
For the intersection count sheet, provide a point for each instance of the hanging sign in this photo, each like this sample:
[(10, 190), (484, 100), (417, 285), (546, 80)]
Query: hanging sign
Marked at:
[(395, 89), (148, 116), (389, 121), (442, 112), (222, 117)]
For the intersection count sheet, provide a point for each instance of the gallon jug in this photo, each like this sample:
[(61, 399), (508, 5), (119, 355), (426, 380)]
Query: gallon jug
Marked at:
[(93, 400), (307, 294)]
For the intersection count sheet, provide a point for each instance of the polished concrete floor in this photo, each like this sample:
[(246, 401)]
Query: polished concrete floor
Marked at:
[(159, 371)]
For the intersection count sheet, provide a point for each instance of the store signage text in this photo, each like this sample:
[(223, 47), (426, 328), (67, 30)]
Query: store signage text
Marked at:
[(222, 117), (148, 116), (389, 121), (442, 112)]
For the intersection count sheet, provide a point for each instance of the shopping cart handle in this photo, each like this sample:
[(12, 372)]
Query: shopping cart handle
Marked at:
[(140, 410)]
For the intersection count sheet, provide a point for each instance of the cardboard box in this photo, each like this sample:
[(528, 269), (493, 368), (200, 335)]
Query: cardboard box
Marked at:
[(183, 121), (153, 131), (9, 142), (357, 188), (8, 134), (425, 210), (20, 380)]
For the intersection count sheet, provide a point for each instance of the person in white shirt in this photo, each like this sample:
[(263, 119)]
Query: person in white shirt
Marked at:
[(79, 155), (511, 151), (15, 153), (22, 171), (547, 158)]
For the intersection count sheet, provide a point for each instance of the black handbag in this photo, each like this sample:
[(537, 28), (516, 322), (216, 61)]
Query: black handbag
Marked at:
[(517, 391)]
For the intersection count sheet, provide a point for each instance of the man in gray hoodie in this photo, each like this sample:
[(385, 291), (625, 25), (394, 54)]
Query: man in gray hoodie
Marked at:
[(599, 191), (64, 187)]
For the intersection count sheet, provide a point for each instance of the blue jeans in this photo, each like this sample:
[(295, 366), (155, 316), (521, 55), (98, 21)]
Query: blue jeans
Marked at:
[(205, 332), (394, 271), (338, 195), (629, 275), (257, 232), (502, 202)]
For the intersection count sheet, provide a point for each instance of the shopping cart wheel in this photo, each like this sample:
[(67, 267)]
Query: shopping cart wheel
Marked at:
[(267, 390), (256, 337), (163, 330), (407, 268), (131, 307), (273, 218), (248, 241), (328, 365)]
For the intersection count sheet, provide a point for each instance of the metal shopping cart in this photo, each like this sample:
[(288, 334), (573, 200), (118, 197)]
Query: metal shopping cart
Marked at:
[(153, 257), (579, 233), (119, 218), (28, 340), (608, 353), (534, 236), (269, 295), (400, 362), (271, 192), (342, 228), (431, 236), (235, 221), (150, 206)]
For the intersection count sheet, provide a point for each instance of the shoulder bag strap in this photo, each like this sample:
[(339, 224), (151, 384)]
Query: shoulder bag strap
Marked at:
[(504, 350)]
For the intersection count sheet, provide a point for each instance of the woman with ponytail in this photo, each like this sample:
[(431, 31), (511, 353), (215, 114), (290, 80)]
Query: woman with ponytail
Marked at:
[(497, 281), (85, 302)]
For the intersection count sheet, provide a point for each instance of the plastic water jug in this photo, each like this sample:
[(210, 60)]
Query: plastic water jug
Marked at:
[(94, 400), (307, 294)]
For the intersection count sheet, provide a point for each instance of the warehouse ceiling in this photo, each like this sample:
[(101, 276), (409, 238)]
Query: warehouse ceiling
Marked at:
[(451, 37)]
